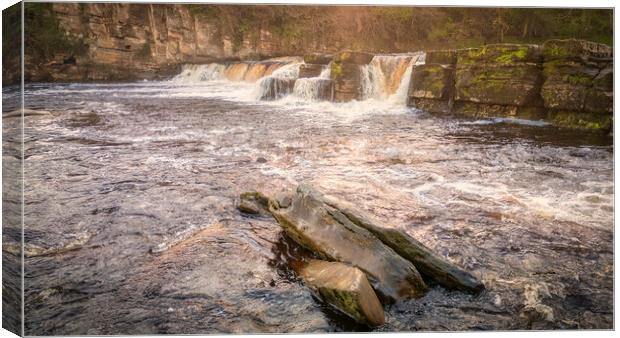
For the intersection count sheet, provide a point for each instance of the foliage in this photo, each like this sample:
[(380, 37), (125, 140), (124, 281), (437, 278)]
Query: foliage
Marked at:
[(43, 37)]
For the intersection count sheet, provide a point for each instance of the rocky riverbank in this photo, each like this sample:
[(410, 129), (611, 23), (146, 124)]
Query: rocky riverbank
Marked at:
[(568, 83)]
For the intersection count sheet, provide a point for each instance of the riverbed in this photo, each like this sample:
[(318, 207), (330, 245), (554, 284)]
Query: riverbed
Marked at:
[(131, 225)]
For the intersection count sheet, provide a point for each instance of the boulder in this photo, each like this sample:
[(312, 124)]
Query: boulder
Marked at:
[(445, 57), (358, 58), (346, 288), (273, 88), (504, 54), (318, 58), (517, 85), (428, 263), (333, 236), (310, 70), (432, 81)]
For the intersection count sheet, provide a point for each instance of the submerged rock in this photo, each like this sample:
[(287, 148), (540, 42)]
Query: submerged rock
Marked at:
[(346, 288), (428, 263), (333, 236)]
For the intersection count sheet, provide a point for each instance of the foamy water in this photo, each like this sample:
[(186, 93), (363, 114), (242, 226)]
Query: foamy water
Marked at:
[(146, 175)]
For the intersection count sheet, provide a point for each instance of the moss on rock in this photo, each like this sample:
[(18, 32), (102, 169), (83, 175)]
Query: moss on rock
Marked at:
[(582, 121)]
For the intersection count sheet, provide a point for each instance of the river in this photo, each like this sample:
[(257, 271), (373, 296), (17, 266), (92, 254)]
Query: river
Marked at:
[(131, 225)]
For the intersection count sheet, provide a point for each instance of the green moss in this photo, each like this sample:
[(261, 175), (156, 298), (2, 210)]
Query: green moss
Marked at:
[(336, 70), (510, 56), (44, 38), (576, 79), (582, 121), (345, 302)]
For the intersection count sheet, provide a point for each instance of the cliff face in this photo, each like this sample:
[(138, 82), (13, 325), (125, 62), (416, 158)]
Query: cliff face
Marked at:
[(146, 41)]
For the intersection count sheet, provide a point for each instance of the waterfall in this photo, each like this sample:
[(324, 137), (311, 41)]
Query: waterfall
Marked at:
[(315, 88), (387, 76), (279, 84), (236, 71), (197, 73)]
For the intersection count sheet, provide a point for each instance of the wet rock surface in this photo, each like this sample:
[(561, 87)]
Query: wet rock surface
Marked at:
[(331, 235), (564, 82), (345, 288)]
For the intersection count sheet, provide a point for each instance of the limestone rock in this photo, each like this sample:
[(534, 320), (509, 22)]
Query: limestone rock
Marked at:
[(517, 85), (346, 288), (576, 50), (432, 81), (331, 235), (318, 58), (446, 57), (347, 81), (310, 70), (504, 54), (358, 58)]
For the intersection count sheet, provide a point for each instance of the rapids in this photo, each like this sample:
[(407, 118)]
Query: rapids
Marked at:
[(130, 204)]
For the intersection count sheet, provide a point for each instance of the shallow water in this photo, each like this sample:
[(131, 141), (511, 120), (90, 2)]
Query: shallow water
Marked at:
[(131, 225)]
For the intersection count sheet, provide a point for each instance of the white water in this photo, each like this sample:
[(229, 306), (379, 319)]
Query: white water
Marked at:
[(385, 82)]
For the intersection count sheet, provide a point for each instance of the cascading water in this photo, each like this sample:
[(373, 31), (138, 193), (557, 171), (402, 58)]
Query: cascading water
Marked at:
[(315, 88), (387, 76), (386, 79), (279, 84), (198, 73)]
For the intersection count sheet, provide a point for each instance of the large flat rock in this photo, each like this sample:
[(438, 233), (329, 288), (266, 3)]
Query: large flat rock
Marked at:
[(331, 235), (346, 288)]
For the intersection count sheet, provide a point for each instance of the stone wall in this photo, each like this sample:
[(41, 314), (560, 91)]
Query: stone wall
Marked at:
[(566, 82)]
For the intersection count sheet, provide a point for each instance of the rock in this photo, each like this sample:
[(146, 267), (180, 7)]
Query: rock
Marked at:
[(347, 81), (430, 105), (581, 120), (517, 85), (481, 110), (504, 54), (310, 70), (358, 58), (347, 289), (576, 50), (446, 57), (273, 88), (253, 202), (331, 235), (432, 81), (428, 263), (318, 58)]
